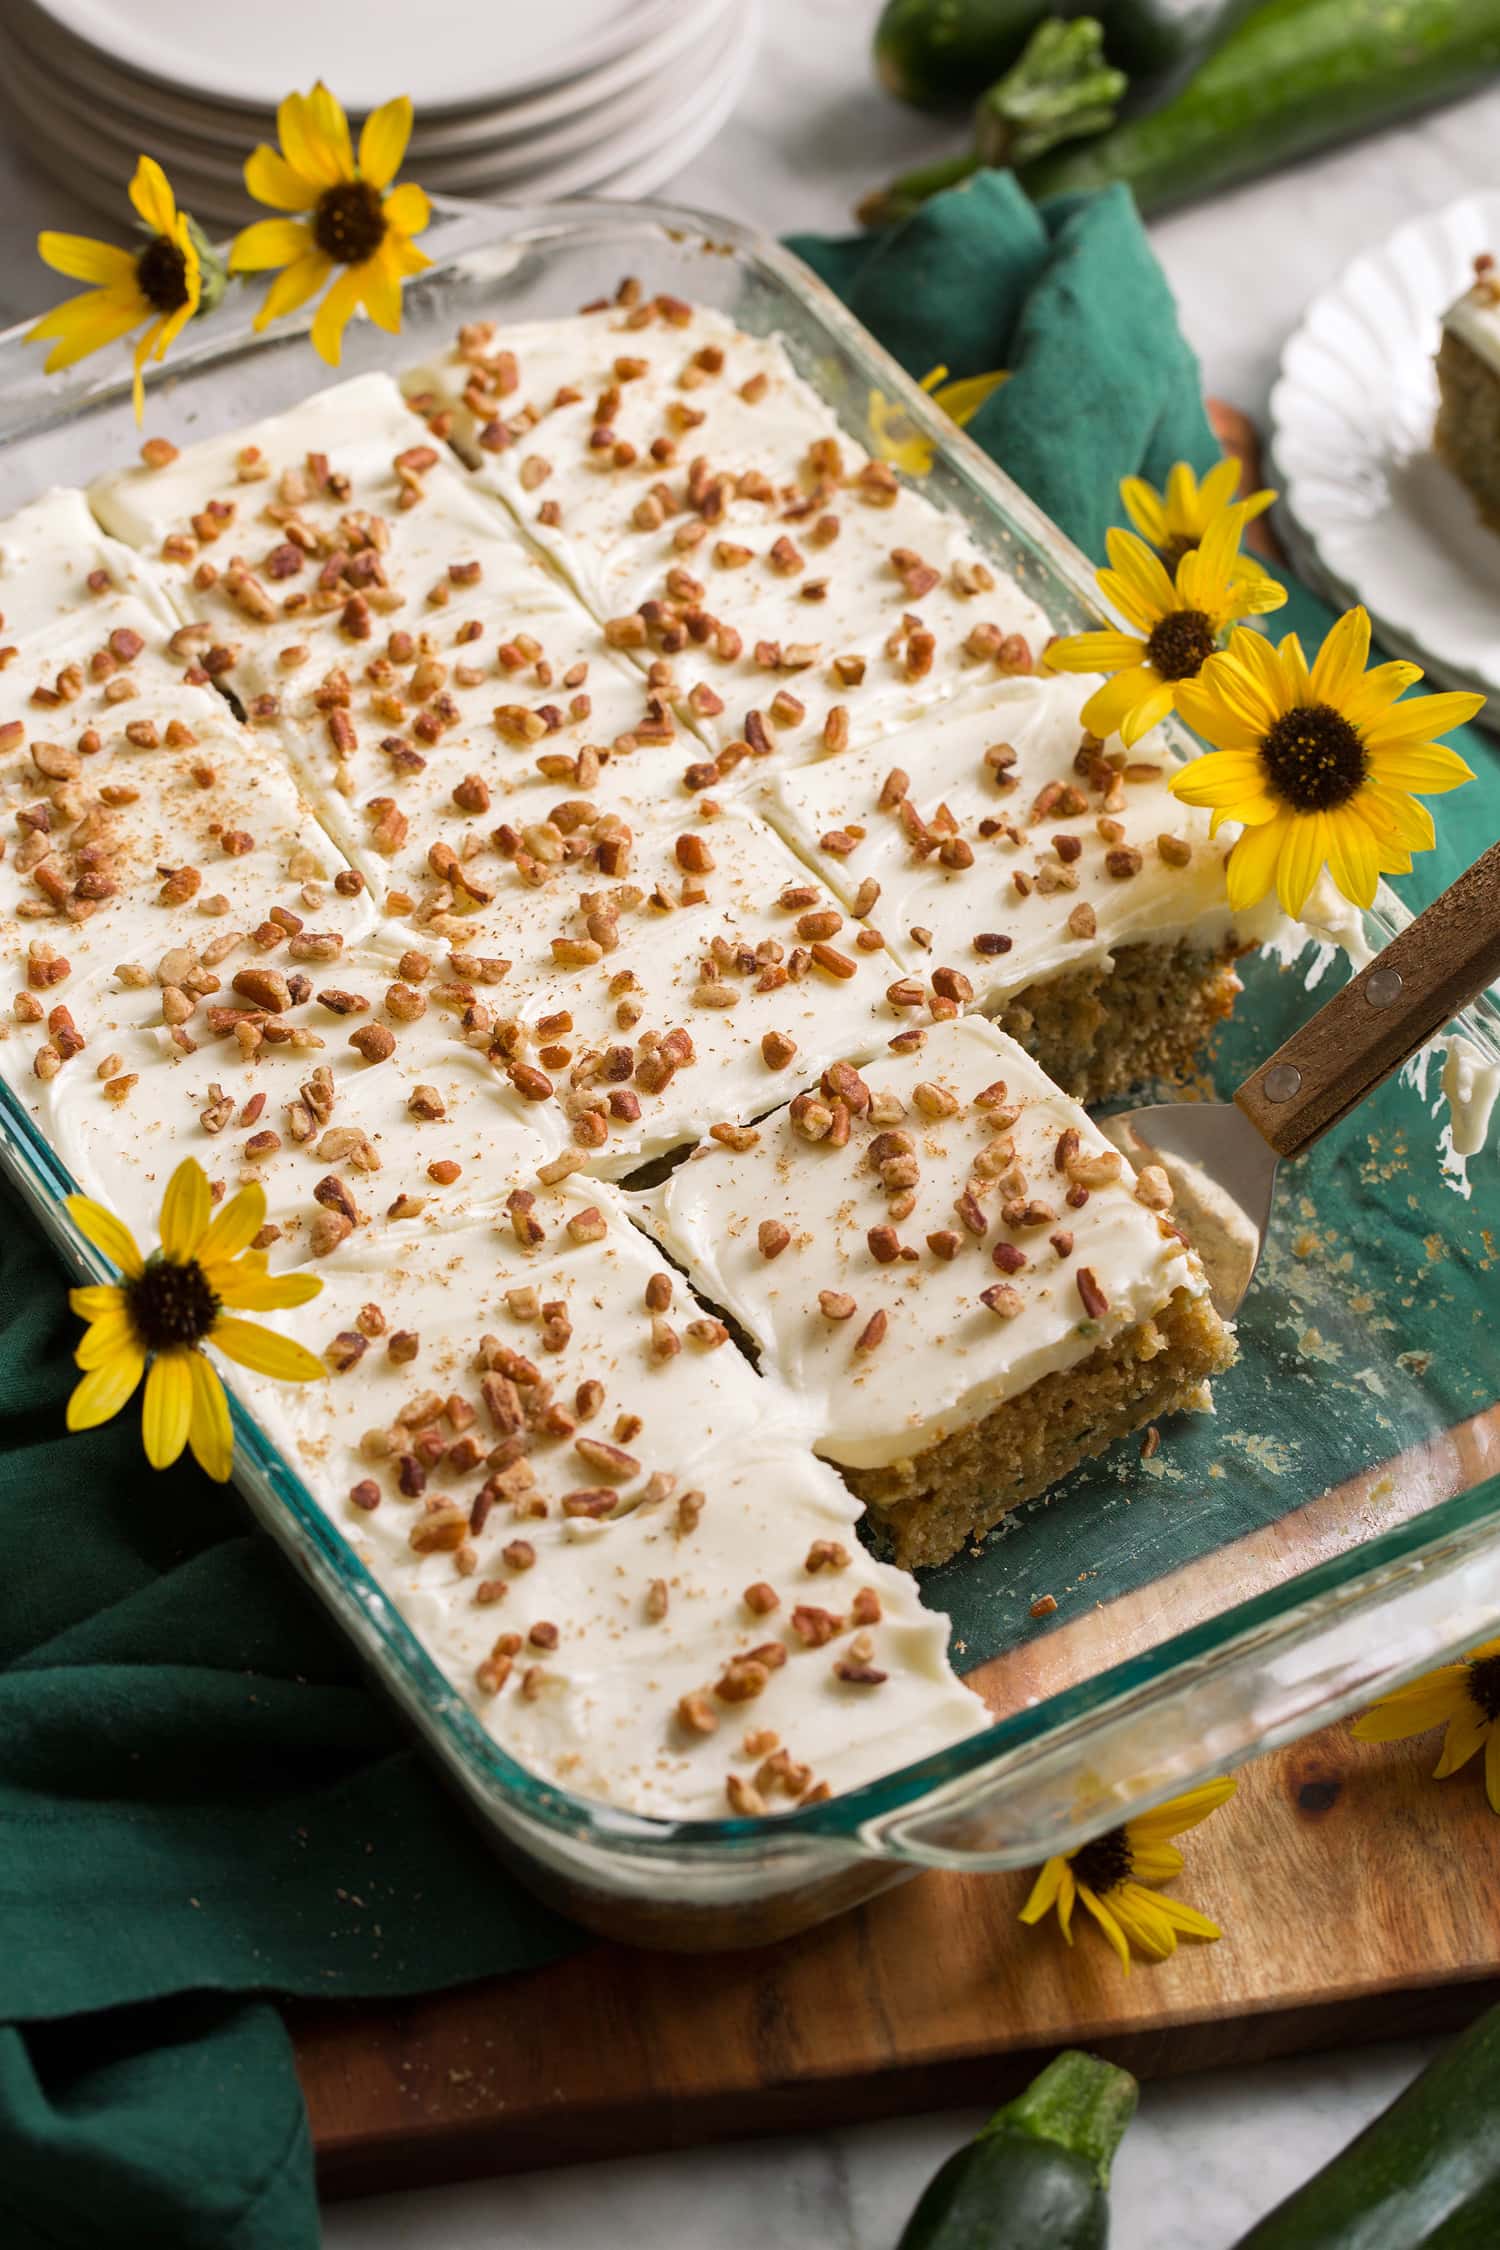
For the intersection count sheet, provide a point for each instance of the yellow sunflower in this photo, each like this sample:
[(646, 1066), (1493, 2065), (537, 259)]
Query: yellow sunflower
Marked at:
[(1177, 519), (349, 221), (1178, 623), (893, 436), (1117, 1878), (1464, 1699), (1320, 765), (163, 284), (165, 1307)]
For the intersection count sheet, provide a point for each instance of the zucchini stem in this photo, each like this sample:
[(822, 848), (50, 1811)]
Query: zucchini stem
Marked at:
[(1079, 2102), (1060, 88)]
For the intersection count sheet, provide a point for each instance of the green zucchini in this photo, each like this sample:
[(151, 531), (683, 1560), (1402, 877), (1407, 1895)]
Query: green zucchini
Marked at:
[(1297, 77), (1424, 2176), (941, 54), (1037, 2177)]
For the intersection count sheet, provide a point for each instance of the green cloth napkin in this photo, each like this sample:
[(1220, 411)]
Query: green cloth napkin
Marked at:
[(1071, 299), (200, 1804)]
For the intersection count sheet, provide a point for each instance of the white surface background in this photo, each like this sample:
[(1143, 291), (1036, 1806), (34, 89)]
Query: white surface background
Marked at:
[(1206, 2156)]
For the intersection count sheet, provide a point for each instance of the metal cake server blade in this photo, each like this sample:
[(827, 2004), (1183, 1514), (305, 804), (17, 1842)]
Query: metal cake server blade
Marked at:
[(1222, 1157)]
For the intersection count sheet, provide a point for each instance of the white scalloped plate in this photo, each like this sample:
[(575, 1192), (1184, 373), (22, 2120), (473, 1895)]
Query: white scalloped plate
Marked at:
[(1368, 510)]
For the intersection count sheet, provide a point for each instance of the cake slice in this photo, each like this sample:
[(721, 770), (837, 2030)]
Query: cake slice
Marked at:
[(592, 1514), (712, 511), (1013, 861), (1467, 434), (957, 1275), (639, 984)]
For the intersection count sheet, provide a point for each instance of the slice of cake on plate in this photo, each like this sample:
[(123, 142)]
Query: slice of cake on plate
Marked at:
[(1467, 434)]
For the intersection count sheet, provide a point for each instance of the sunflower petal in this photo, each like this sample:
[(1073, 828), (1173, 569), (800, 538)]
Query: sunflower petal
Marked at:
[(97, 1299), (1250, 869), (380, 292), (186, 1209), (1422, 718), (1303, 851), (266, 1351), (1187, 1921), (1107, 1924), (168, 1407), (1146, 714), (962, 400), (210, 1431), (152, 197), (1109, 706), (109, 1235), (235, 1227), (1340, 662), (84, 325), (1381, 686), (1142, 570), (1179, 1814), (1144, 507), (306, 145), (1139, 1914), (104, 1339), (262, 1292), (331, 126), (382, 142), (1426, 766), (1224, 778), (1094, 652), (1220, 488), (1467, 1731), (270, 242), (1352, 859), (82, 259), (293, 286), (332, 316), (270, 179), (104, 1390), (1394, 815), (1426, 1703), (1044, 1890)]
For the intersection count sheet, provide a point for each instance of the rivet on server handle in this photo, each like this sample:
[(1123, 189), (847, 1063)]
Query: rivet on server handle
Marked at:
[(1421, 980)]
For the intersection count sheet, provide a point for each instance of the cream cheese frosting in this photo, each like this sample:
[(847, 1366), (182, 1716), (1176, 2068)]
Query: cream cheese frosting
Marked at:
[(1007, 844), (1474, 317), (964, 1231), (706, 503), (648, 1591), (59, 569), (640, 984), (347, 1140)]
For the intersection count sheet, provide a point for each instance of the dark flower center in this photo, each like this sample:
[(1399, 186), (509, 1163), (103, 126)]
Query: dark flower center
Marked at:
[(348, 223), (161, 275), (1181, 644), (1176, 547), (1313, 758), (1484, 1686), (170, 1304), (1104, 1862)]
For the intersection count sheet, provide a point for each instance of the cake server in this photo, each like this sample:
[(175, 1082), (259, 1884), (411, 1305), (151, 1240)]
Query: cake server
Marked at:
[(1222, 1157)]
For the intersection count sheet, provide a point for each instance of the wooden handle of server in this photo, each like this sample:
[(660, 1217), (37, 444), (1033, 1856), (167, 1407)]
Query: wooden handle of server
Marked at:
[(1415, 985)]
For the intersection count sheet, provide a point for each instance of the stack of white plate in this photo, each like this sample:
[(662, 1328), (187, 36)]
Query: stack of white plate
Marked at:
[(520, 100)]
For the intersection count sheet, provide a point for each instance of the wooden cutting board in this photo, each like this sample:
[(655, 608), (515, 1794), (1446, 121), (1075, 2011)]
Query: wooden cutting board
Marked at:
[(1359, 1900)]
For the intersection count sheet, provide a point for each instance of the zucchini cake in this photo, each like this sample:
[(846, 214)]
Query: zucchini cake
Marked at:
[(1467, 433), (442, 808)]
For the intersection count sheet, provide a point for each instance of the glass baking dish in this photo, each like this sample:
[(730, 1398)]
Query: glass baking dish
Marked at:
[(1333, 1530)]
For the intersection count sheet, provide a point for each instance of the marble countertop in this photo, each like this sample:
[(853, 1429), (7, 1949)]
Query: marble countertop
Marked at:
[(1208, 2155)]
